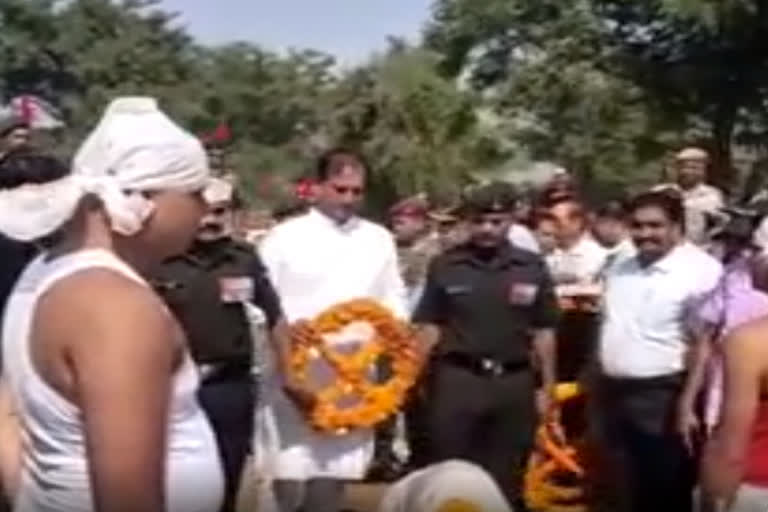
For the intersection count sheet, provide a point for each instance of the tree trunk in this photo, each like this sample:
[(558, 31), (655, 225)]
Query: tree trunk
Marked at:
[(722, 173)]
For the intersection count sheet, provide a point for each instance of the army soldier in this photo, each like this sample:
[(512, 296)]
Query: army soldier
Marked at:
[(486, 302), (206, 288), (416, 242)]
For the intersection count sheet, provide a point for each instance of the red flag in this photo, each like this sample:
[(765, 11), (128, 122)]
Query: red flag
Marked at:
[(304, 189), (222, 133), (26, 109)]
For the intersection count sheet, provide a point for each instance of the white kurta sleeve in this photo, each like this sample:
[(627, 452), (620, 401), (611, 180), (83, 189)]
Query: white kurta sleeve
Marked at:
[(390, 286), (271, 255)]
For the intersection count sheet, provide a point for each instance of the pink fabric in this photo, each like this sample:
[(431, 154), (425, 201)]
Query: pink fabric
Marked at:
[(732, 303)]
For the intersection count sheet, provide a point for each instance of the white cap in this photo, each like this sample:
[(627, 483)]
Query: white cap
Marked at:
[(692, 153)]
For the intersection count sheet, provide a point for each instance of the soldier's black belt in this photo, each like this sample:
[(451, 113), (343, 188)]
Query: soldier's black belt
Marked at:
[(483, 366)]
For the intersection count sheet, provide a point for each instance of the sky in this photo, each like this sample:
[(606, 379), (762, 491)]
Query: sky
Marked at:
[(348, 29)]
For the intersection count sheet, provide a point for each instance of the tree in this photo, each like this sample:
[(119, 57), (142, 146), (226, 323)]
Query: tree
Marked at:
[(706, 60), (542, 68), (422, 132), (681, 64)]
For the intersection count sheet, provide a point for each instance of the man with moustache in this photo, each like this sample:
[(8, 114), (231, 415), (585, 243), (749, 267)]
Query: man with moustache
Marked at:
[(642, 354), (488, 303), (207, 289), (316, 260)]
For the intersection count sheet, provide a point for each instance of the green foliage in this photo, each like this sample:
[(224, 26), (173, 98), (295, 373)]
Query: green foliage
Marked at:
[(606, 86), (603, 87), (421, 129), (418, 129)]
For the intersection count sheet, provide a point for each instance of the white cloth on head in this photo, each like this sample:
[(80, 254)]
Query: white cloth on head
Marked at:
[(135, 148), (218, 191), (436, 485)]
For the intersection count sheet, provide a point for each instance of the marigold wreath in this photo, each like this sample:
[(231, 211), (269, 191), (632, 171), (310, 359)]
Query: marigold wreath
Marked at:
[(555, 478), (376, 401)]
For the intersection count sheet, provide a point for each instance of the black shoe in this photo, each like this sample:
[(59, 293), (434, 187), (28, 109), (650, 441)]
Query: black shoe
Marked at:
[(385, 469)]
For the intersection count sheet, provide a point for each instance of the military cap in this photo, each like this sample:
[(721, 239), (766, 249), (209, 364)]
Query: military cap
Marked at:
[(445, 215), (735, 223), (494, 197), (415, 206), (692, 153)]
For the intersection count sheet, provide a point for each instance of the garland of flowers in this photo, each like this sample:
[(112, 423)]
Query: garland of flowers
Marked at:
[(394, 340), (543, 489)]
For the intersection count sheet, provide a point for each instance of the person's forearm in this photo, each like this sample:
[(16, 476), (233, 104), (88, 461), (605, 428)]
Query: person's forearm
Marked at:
[(428, 335), (10, 441), (723, 468), (697, 364), (280, 341), (544, 346)]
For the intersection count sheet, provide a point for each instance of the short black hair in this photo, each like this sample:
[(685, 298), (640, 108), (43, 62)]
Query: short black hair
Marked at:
[(669, 203), (24, 167), (333, 161), (612, 210)]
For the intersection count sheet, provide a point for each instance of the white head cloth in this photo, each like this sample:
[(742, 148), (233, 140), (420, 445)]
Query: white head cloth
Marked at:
[(218, 191), (135, 148), (434, 487)]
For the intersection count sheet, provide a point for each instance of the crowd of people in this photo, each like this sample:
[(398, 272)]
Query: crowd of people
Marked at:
[(135, 312)]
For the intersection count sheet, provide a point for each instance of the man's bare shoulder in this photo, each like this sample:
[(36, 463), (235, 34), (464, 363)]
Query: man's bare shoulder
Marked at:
[(749, 341), (94, 296)]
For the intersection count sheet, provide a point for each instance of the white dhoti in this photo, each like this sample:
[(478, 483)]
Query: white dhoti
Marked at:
[(288, 448)]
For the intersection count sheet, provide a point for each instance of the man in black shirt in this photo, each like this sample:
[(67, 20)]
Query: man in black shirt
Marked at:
[(488, 303), (206, 289)]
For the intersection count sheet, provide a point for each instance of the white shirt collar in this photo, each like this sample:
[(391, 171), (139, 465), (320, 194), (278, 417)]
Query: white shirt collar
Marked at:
[(670, 261), (583, 247), (319, 217)]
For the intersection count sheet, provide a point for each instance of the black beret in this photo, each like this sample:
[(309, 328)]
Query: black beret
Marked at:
[(494, 197)]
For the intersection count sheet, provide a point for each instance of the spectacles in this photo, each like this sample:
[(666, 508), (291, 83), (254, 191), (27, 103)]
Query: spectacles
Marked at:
[(355, 191)]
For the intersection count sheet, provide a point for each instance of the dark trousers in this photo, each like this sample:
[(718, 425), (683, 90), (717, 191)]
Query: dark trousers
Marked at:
[(487, 420), (229, 403), (636, 434), (316, 495), (416, 426), (576, 338)]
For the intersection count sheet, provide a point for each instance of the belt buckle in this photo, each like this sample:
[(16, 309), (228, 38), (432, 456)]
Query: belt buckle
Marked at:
[(492, 367), (206, 370)]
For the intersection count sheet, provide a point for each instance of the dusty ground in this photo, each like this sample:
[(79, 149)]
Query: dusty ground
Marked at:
[(360, 497)]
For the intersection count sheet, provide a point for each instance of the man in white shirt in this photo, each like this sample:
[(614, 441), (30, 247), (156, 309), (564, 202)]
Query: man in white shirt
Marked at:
[(699, 198), (611, 231), (326, 256), (642, 352), (577, 259)]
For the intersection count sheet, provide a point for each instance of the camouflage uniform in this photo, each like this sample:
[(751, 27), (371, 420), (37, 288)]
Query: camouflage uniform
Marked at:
[(414, 260), (414, 257)]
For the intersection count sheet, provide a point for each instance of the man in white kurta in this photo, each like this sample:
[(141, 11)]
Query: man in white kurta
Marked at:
[(326, 256)]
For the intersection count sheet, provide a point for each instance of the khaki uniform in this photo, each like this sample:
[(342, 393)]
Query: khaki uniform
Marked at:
[(414, 259)]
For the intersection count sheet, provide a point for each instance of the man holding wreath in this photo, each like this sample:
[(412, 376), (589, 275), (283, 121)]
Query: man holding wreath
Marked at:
[(315, 261)]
